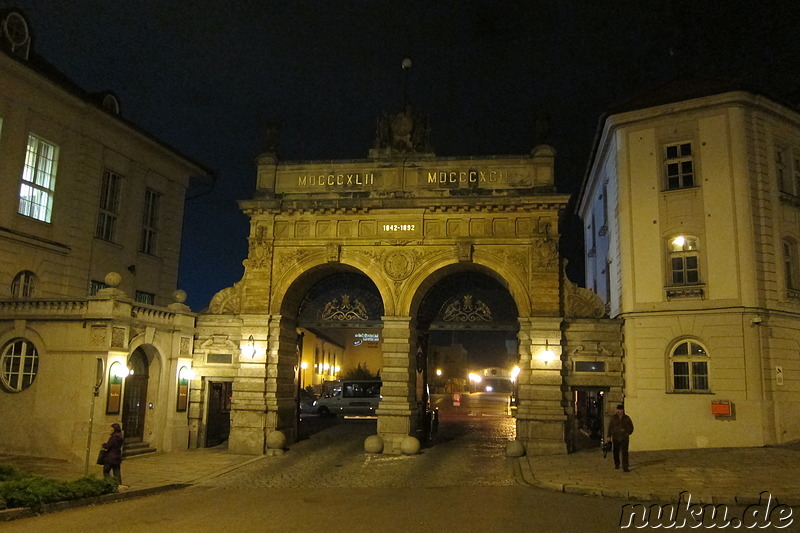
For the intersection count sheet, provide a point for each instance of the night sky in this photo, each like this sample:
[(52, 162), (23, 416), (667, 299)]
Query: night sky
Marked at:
[(207, 77)]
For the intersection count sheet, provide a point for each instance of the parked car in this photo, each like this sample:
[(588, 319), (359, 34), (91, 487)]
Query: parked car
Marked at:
[(354, 397)]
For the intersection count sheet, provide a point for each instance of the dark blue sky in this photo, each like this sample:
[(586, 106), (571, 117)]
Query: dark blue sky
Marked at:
[(208, 76)]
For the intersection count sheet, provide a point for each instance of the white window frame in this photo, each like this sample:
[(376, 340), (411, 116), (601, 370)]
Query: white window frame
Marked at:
[(687, 252), (110, 193), (150, 214), (675, 166), (23, 285), (38, 182), (19, 364), (694, 369)]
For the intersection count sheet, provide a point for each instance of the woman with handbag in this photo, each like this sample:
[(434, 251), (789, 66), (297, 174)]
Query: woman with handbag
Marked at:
[(113, 449)]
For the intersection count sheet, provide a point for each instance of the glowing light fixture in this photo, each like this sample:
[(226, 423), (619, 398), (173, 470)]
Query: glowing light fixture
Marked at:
[(249, 349), (475, 378), (547, 354), (438, 371), (303, 365), (119, 371), (514, 373), (679, 241)]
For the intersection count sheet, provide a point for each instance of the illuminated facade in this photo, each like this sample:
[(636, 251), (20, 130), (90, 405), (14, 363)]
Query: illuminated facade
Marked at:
[(85, 193), (364, 244), (691, 212)]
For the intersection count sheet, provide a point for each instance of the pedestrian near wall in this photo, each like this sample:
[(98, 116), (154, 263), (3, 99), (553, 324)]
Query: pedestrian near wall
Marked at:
[(620, 429), (113, 458)]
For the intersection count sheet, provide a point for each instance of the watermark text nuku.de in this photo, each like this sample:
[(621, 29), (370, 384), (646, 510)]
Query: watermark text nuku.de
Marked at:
[(768, 512)]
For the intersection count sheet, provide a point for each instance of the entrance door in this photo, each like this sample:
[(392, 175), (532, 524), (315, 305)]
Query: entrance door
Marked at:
[(219, 412), (588, 418), (134, 405)]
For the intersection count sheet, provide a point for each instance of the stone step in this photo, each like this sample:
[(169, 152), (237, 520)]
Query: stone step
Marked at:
[(136, 448)]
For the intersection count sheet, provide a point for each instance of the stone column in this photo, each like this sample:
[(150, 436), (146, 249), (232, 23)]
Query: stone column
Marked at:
[(281, 391), (540, 410), (397, 412)]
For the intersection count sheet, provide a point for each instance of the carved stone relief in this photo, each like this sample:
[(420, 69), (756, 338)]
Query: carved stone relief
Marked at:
[(186, 346), (260, 250), (467, 309), (98, 335), (228, 300), (333, 252), (545, 254), (118, 337), (398, 264)]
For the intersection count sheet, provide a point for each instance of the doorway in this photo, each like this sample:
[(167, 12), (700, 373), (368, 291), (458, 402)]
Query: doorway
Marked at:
[(219, 412), (134, 406), (587, 418)]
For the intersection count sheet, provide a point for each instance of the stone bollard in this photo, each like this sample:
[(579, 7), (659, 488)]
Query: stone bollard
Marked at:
[(276, 443), (373, 444), (409, 445), (515, 448)]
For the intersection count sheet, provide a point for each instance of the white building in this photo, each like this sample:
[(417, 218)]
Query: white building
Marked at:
[(84, 193), (691, 210)]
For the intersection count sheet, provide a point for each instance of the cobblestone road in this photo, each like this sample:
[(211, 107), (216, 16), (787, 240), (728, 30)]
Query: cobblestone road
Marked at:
[(468, 450)]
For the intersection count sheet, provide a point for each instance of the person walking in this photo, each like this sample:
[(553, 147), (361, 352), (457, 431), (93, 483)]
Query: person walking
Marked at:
[(113, 458), (620, 429)]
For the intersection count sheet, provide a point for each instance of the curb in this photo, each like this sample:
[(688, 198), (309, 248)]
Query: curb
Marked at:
[(7, 515)]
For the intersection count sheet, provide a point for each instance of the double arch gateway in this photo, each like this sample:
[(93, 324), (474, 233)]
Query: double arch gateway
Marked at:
[(404, 233)]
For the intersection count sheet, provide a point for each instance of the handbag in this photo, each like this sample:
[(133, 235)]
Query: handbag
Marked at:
[(101, 457)]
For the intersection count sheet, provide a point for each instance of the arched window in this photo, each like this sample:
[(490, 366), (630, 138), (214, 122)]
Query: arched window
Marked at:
[(689, 366), (19, 364), (684, 264), (23, 285)]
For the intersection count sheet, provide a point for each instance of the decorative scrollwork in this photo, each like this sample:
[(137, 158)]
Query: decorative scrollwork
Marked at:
[(345, 311), (468, 311)]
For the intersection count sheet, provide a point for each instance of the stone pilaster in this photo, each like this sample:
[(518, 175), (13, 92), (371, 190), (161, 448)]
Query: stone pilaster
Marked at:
[(540, 410), (397, 412), (248, 404), (281, 391)]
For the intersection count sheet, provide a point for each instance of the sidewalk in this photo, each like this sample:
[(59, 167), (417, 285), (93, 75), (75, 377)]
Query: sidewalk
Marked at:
[(731, 476)]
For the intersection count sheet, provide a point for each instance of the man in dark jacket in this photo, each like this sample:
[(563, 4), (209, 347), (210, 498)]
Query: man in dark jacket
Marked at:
[(113, 458), (619, 432)]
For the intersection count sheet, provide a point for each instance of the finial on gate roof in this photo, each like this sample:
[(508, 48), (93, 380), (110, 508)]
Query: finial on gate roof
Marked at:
[(406, 131)]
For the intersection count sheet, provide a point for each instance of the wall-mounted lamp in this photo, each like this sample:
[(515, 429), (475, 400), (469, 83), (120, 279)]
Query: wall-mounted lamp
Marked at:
[(514, 373), (249, 349), (119, 370), (547, 354), (303, 365)]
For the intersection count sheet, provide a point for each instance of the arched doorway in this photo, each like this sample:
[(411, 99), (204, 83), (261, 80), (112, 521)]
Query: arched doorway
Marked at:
[(134, 406)]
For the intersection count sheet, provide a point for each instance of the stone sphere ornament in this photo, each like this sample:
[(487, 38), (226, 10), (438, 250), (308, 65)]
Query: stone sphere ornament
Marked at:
[(113, 279), (276, 440), (409, 445), (373, 444), (180, 296), (515, 448)]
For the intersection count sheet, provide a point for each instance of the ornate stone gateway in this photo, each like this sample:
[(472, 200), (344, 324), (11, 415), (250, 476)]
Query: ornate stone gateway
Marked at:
[(405, 220)]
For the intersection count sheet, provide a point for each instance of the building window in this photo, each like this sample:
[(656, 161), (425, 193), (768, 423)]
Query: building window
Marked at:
[(790, 265), (679, 166), (95, 286), (23, 285), (19, 364), (689, 362), (38, 179), (109, 207), (684, 264), (147, 298), (147, 243)]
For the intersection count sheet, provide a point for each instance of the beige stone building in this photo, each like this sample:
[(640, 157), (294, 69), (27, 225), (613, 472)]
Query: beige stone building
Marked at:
[(85, 193), (691, 210)]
